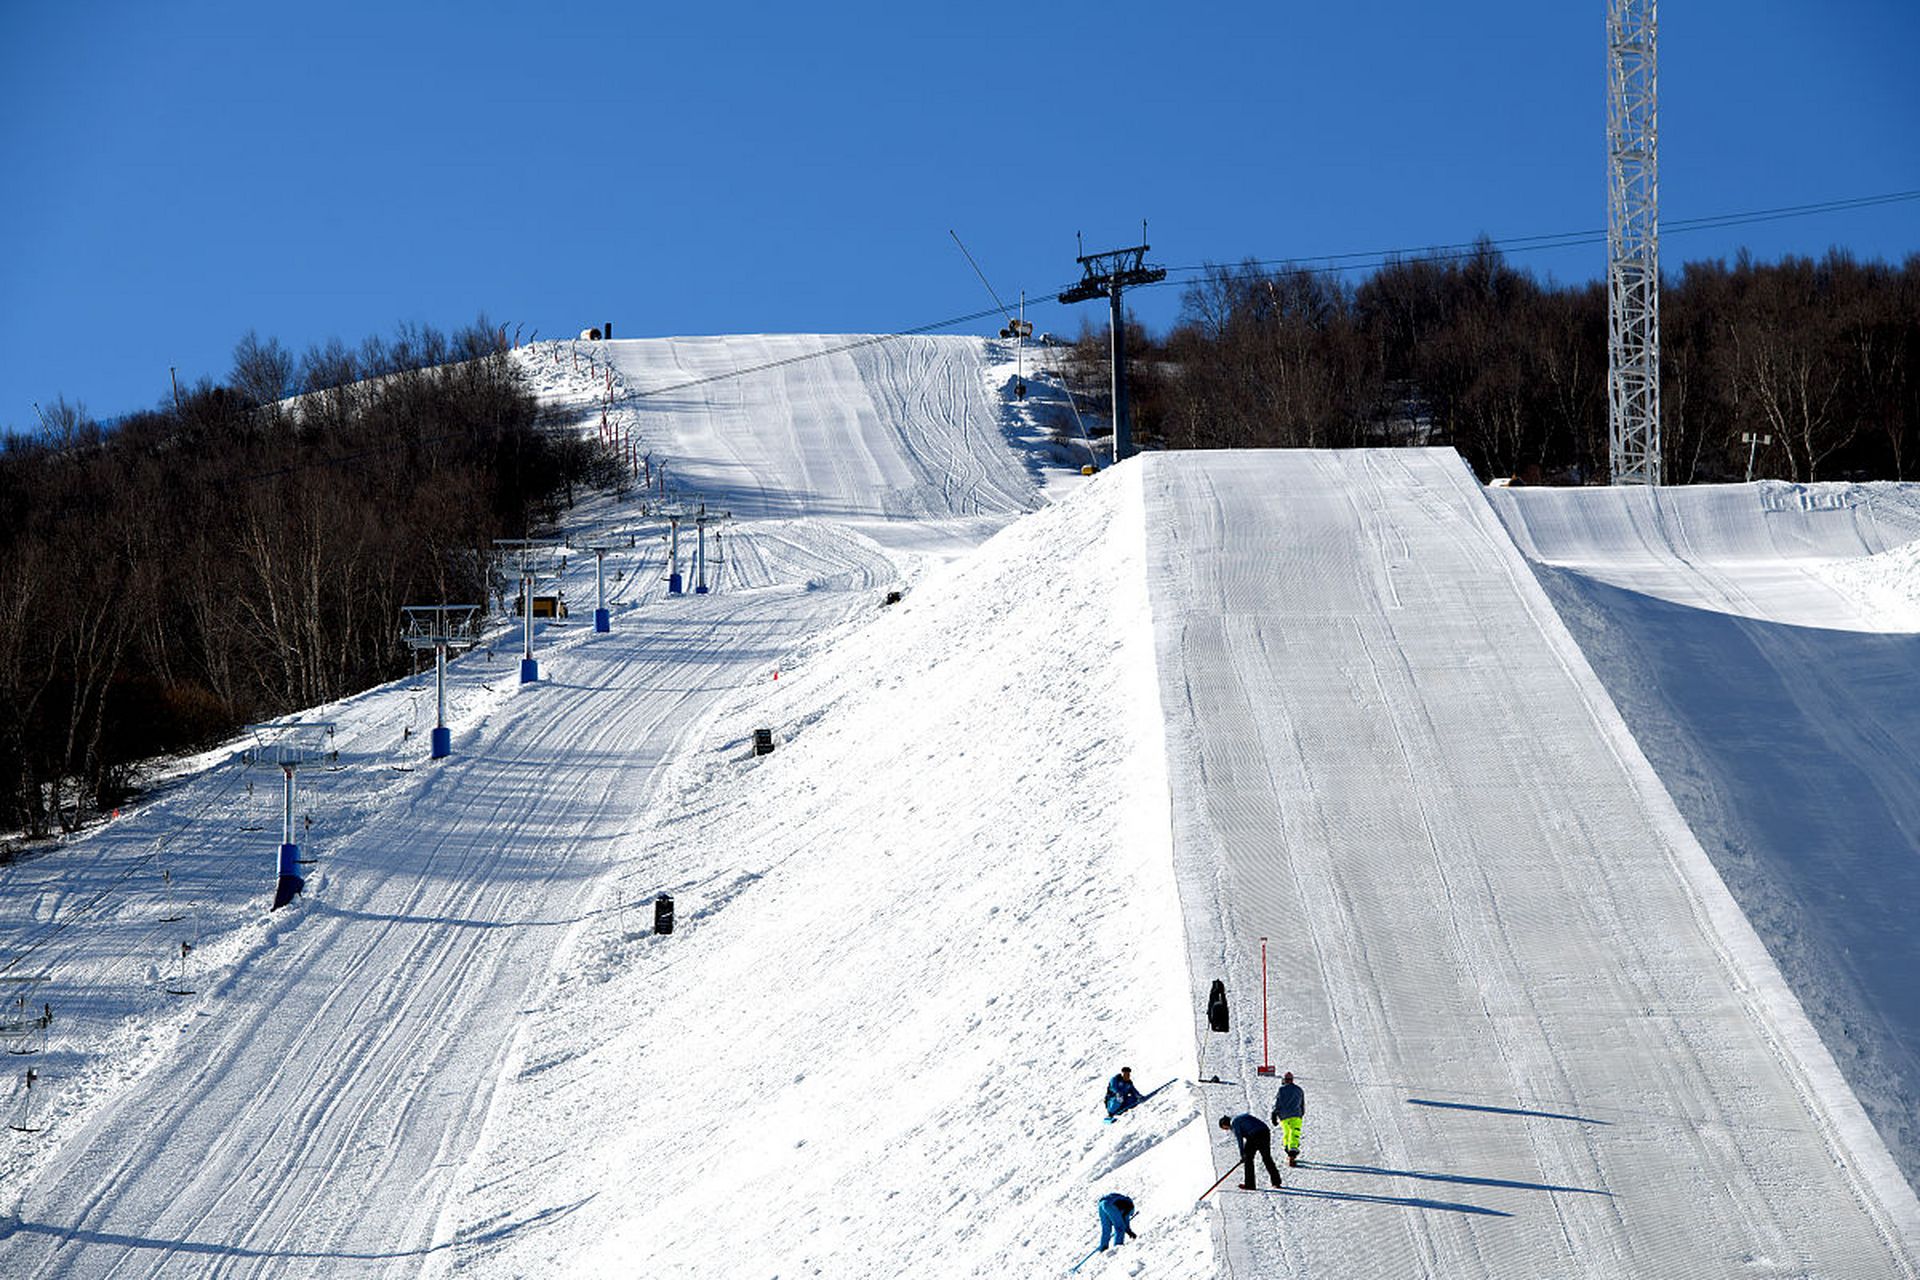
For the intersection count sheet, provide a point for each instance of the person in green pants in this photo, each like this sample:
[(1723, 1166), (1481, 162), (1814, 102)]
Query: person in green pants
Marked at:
[(1290, 1112)]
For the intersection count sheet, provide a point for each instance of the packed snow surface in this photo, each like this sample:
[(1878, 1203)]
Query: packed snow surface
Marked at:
[(1537, 1037), (914, 943), (1013, 826), (1761, 642)]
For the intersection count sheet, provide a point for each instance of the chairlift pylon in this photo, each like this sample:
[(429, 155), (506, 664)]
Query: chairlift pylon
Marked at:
[(31, 1029), (22, 1114), (174, 914), (179, 987)]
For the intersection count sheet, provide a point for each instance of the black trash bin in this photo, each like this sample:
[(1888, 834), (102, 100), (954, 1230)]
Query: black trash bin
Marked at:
[(763, 742), (663, 913), (1217, 1006)]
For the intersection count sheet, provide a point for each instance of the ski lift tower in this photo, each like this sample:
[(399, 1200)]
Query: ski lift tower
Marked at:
[(527, 552), (289, 744), (1108, 275), (1633, 243), (602, 620), (702, 518), (674, 515), (719, 548), (441, 627)]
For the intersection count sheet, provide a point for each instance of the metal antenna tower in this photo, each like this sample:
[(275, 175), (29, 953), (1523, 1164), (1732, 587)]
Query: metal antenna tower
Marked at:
[(1633, 244), (1107, 275)]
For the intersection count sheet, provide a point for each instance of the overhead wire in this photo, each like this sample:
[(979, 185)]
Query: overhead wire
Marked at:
[(867, 341), (991, 291), (1370, 258), (1342, 262), (1331, 264)]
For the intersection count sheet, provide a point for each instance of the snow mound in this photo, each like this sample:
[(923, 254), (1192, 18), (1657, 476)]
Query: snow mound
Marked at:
[(912, 944), (1888, 584)]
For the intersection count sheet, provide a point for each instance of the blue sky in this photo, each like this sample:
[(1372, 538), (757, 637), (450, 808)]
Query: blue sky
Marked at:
[(181, 173)]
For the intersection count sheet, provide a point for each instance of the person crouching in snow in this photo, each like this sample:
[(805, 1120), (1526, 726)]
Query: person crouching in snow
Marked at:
[(1116, 1220), (1121, 1094)]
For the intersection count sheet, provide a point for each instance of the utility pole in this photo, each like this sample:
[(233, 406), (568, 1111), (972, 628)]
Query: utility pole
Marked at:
[(700, 549), (1633, 243), (1108, 275), (1753, 443)]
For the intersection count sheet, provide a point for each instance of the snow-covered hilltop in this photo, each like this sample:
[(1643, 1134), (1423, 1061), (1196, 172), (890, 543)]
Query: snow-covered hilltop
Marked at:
[(1013, 827)]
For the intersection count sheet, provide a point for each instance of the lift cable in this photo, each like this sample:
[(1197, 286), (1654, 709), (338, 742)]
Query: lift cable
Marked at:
[(868, 341), (1333, 264), (1359, 260)]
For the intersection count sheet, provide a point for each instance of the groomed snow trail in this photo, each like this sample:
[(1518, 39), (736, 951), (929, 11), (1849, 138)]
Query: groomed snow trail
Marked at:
[(313, 1122), (891, 431), (311, 1112), (1536, 1035), (1759, 641)]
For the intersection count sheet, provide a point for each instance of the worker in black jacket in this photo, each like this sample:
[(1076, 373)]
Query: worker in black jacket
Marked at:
[(1254, 1139)]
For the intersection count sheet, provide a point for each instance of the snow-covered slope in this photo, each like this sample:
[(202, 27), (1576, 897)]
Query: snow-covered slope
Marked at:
[(303, 1107), (1320, 693), (1759, 640), (832, 427), (1537, 1037), (1747, 550), (913, 944)]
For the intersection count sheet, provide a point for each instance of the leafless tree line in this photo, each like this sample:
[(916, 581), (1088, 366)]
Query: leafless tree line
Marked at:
[(244, 551), (1819, 356)]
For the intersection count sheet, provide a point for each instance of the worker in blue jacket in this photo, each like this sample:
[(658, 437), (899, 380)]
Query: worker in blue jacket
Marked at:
[(1116, 1220), (1255, 1138), (1121, 1094)]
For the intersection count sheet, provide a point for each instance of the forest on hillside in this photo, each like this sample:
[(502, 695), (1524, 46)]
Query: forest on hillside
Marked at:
[(1820, 356), (245, 550)]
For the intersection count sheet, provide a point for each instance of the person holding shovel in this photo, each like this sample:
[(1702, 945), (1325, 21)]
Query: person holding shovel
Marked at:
[(1255, 1139)]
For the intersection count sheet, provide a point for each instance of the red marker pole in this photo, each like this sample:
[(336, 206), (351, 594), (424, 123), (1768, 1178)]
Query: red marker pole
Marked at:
[(1266, 1062)]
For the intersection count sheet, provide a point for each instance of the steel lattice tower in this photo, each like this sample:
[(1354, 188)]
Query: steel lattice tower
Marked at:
[(1633, 244)]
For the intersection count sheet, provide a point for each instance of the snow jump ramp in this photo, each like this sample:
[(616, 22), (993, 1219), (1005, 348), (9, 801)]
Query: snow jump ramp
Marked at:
[(1538, 1036)]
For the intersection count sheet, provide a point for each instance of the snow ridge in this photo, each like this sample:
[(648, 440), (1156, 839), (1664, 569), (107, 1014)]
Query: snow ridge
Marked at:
[(910, 950)]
